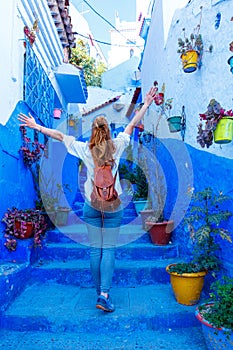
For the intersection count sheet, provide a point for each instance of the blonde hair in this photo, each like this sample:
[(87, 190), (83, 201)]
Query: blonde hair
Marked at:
[(101, 144)]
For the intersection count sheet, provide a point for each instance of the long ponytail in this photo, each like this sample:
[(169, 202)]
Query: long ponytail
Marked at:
[(101, 144)]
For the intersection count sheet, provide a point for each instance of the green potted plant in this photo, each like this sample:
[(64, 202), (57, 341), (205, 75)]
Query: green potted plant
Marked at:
[(23, 224), (140, 195), (218, 125), (204, 223), (216, 315)]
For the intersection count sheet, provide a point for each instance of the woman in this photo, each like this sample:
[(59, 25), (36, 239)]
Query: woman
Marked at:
[(103, 228)]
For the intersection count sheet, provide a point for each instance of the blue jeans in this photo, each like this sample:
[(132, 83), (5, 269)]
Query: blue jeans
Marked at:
[(103, 232)]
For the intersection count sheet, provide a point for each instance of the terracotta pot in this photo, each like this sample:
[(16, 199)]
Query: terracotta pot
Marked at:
[(160, 232), (24, 226)]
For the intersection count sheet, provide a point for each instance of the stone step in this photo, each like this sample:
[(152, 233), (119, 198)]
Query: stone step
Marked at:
[(78, 233), (13, 277), (131, 251), (182, 339), (53, 307), (127, 273)]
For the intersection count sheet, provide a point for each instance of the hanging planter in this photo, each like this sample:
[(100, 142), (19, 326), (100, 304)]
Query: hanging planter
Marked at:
[(71, 122), (230, 62), (57, 113), (217, 125), (174, 123), (159, 98), (189, 61), (224, 130)]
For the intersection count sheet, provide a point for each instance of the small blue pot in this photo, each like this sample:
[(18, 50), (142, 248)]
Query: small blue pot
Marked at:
[(230, 62)]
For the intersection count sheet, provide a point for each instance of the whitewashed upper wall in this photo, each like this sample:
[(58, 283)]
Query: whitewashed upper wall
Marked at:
[(14, 15), (193, 90)]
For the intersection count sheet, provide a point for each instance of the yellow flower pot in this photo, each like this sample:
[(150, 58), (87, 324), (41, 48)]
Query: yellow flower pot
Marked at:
[(187, 287), (224, 130), (71, 122), (189, 61)]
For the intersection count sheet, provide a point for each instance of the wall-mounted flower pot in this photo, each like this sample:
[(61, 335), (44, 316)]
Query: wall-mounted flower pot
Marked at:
[(159, 98), (224, 130), (189, 61), (230, 62), (57, 113), (174, 123), (71, 122), (141, 127), (147, 137)]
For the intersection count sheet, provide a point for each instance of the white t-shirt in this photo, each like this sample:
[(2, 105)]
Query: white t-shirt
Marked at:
[(81, 150)]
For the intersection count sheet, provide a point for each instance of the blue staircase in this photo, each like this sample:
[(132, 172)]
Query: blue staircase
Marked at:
[(52, 302)]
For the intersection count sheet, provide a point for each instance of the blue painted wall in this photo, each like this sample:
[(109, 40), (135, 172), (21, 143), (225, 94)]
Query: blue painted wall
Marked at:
[(191, 168)]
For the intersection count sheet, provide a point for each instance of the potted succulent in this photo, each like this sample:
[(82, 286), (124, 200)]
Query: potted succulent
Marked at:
[(204, 223), (32, 151), (216, 315), (31, 33), (23, 224), (218, 125), (190, 49)]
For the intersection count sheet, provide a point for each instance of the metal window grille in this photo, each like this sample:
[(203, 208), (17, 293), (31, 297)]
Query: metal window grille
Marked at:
[(38, 90)]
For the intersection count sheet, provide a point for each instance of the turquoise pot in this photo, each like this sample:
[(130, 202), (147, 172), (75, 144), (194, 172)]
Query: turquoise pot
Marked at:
[(216, 339), (174, 123), (230, 62), (139, 206)]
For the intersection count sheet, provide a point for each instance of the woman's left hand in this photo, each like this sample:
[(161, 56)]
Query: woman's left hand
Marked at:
[(27, 121), (150, 95)]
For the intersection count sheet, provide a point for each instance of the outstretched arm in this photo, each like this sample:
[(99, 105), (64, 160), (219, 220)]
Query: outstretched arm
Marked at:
[(30, 122), (149, 98)]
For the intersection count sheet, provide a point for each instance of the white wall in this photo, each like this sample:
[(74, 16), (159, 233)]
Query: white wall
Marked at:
[(193, 90), (14, 15)]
